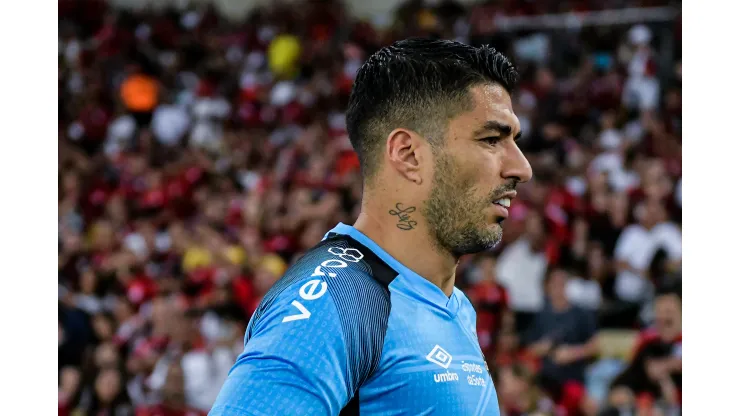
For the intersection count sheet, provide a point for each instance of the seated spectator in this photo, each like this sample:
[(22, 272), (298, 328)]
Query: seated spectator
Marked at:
[(518, 394), (655, 369), (637, 246), (564, 336), (521, 270), (623, 402), (70, 381), (204, 370), (491, 303), (171, 400), (584, 293), (109, 394), (74, 335), (582, 289), (508, 352)]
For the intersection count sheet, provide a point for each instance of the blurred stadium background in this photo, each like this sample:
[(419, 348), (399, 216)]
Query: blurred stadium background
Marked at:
[(202, 148)]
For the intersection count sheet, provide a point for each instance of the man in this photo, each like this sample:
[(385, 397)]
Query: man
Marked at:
[(369, 321), (636, 250), (564, 336), (521, 269), (656, 367)]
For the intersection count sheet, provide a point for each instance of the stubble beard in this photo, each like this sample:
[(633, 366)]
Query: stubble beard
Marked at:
[(455, 214)]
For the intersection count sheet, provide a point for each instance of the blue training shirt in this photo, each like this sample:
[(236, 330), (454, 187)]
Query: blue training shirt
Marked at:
[(349, 330)]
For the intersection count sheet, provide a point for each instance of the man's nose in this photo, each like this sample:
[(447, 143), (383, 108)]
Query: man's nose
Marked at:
[(516, 165)]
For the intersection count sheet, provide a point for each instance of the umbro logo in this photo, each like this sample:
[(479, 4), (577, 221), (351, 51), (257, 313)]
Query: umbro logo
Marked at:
[(439, 356)]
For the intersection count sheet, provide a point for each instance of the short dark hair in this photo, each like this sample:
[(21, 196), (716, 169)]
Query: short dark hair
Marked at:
[(419, 84)]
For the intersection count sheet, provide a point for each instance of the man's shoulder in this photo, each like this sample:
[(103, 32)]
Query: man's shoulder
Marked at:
[(336, 293), (338, 268), (337, 258)]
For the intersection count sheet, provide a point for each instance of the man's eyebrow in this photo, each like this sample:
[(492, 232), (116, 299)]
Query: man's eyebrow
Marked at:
[(495, 126)]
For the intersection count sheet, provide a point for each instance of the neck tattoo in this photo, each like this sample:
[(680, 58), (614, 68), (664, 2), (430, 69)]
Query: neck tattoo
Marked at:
[(404, 218)]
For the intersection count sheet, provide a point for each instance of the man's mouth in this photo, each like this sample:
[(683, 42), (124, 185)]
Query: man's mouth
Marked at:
[(504, 202), (505, 199)]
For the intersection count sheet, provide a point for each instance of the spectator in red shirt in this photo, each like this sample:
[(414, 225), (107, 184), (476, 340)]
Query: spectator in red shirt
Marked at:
[(655, 369), (70, 381), (519, 396), (508, 352), (490, 301)]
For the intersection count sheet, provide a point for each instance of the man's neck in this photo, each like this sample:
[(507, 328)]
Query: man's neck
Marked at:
[(412, 247)]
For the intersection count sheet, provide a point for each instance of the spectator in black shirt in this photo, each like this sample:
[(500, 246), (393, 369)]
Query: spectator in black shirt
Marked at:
[(74, 334), (564, 336)]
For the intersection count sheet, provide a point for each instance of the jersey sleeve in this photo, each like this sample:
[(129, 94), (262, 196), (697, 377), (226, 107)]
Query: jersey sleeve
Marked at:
[(308, 348)]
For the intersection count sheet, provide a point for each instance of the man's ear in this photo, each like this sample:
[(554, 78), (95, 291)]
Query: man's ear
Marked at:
[(404, 150)]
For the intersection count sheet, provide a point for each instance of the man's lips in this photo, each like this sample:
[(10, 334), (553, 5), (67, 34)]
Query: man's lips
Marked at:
[(503, 202)]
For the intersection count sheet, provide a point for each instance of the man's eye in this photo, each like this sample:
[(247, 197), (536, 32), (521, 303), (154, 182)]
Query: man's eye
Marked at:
[(491, 140)]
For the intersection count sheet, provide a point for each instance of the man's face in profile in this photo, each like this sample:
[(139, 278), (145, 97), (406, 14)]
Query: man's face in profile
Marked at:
[(476, 171)]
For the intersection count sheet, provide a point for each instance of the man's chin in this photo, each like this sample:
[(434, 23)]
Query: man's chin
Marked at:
[(481, 242), (496, 232)]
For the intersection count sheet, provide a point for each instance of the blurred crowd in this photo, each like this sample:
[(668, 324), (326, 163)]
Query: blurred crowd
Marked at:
[(199, 157)]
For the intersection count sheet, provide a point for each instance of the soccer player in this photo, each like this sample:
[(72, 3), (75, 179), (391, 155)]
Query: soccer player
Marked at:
[(369, 321)]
